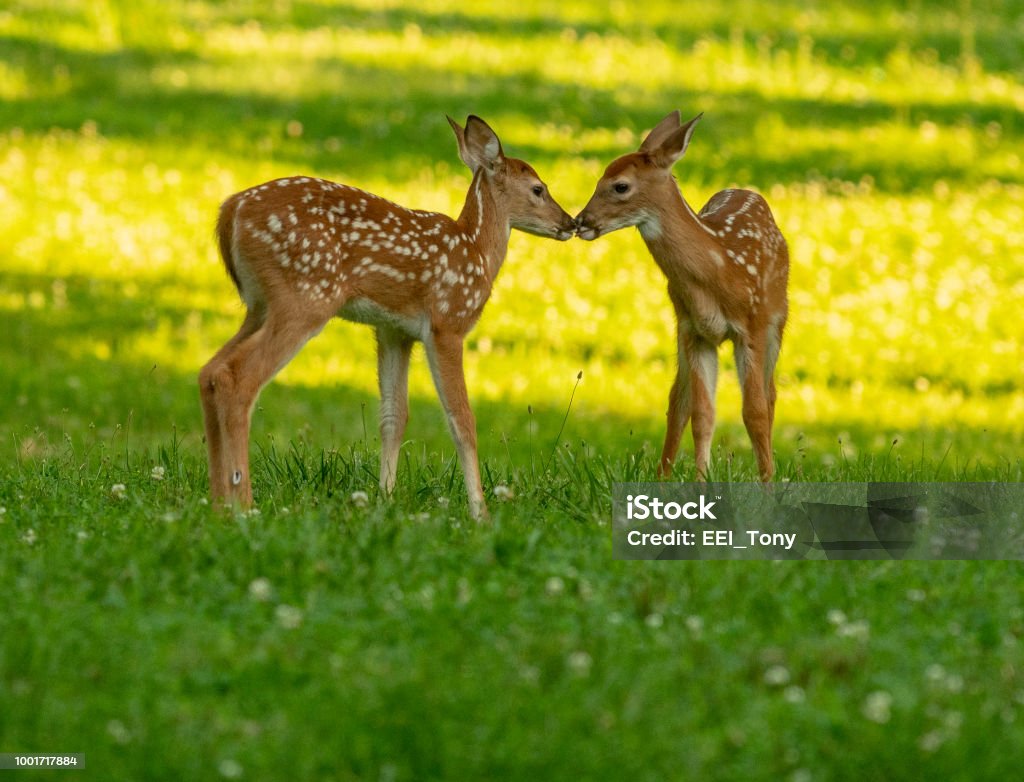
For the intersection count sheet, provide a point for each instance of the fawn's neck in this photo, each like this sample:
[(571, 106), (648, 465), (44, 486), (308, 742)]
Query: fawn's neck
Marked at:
[(485, 224), (680, 243)]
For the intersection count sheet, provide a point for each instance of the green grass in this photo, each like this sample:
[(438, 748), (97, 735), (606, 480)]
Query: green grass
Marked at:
[(323, 640)]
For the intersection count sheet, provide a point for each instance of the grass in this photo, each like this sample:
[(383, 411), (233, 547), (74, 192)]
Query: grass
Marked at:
[(323, 639)]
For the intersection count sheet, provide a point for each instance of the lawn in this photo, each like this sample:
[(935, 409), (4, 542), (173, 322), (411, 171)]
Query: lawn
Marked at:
[(325, 639)]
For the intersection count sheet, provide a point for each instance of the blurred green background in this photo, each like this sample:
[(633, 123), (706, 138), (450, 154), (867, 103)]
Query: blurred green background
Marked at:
[(886, 136)]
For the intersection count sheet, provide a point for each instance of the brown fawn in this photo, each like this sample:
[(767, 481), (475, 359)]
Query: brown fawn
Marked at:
[(727, 269), (302, 251)]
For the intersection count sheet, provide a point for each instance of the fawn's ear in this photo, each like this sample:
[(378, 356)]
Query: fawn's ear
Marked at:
[(661, 131), (479, 147), (673, 145)]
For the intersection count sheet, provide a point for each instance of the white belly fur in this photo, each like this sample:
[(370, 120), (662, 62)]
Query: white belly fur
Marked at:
[(372, 314)]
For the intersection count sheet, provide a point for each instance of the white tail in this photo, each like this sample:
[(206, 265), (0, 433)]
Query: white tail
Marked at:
[(302, 251), (727, 271)]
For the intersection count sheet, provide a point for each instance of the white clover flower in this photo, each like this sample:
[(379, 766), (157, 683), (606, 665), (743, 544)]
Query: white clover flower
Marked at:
[(118, 491), (30, 537), (260, 589), (654, 620), (931, 741), (859, 630), (529, 673), (580, 662), (503, 492), (360, 499), (118, 732), (878, 707), (230, 768), (836, 617), (793, 694), (157, 473), (776, 676), (289, 617), (694, 624), (444, 502), (554, 586)]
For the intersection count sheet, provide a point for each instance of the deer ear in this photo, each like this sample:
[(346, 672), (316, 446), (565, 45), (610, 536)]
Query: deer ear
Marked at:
[(661, 131), (674, 145), (479, 147), (460, 137)]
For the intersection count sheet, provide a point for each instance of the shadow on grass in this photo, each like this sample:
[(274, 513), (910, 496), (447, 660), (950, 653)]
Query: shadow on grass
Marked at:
[(995, 42), (369, 108)]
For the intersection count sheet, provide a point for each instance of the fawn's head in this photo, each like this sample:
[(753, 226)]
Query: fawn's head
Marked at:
[(526, 198), (632, 186)]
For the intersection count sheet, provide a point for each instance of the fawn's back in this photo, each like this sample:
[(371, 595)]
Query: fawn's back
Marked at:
[(323, 245)]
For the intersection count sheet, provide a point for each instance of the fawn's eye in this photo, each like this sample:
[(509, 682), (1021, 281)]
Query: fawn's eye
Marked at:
[(620, 187), (538, 190)]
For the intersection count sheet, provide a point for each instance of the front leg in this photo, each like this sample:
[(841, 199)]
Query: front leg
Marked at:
[(393, 351), (758, 390), (444, 354)]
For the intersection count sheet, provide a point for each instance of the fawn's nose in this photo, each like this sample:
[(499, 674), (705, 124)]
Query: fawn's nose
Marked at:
[(567, 227), (583, 229)]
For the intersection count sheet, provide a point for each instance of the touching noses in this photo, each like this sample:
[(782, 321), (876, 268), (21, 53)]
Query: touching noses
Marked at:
[(584, 229)]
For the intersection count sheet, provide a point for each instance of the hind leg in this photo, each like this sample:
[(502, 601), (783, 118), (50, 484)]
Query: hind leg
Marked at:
[(758, 402), (703, 358), (679, 400), (231, 383), (211, 413), (393, 351)]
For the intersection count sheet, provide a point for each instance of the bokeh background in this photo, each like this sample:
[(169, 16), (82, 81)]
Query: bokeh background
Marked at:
[(885, 135)]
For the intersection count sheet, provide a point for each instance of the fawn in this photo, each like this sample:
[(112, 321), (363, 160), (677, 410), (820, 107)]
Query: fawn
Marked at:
[(727, 270), (303, 250)]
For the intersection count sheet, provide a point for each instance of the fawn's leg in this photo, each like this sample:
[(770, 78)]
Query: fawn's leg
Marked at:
[(393, 351), (703, 361), (444, 353), (233, 382)]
